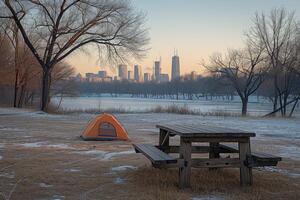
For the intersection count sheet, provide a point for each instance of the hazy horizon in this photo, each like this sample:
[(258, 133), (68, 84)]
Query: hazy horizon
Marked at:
[(195, 28)]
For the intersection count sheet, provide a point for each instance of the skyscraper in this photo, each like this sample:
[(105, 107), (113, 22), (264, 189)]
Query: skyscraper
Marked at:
[(157, 70), (147, 77), (194, 75), (123, 73), (175, 67), (102, 74), (138, 76), (130, 75)]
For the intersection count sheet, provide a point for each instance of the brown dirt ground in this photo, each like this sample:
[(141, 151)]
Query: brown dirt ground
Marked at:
[(69, 172)]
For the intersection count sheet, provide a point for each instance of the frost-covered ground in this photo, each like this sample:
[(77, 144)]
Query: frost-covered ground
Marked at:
[(256, 107), (42, 157)]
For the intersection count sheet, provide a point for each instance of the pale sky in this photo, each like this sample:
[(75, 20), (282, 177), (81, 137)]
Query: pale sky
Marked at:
[(197, 28)]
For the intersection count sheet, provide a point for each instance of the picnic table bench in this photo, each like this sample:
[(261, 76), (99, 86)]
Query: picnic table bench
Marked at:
[(201, 133)]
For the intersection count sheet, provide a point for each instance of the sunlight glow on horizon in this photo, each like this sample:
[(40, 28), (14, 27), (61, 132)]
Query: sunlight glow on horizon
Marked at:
[(197, 28)]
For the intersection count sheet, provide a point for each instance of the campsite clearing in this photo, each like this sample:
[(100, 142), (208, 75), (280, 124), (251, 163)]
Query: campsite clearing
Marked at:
[(42, 157)]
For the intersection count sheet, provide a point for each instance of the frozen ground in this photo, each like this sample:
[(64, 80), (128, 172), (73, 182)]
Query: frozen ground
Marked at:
[(43, 158), (255, 107)]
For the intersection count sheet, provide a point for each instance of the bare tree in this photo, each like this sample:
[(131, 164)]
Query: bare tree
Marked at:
[(25, 63), (277, 33), (6, 69), (12, 32), (64, 26), (244, 69)]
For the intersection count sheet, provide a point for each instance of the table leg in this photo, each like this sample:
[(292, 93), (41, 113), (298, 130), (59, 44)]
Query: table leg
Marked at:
[(164, 138), (245, 172), (213, 151), (185, 170)]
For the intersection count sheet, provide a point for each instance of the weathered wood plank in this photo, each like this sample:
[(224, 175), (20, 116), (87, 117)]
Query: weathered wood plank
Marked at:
[(175, 149), (185, 170), (217, 139), (262, 159), (215, 162), (245, 171), (265, 157), (213, 151), (154, 154), (198, 149), (203, 130), (164, 138)]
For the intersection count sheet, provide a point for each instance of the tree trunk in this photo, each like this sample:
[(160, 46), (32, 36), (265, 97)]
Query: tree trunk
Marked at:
[(293, 108), (278, 109), (244, 106), (21, 98), (16, 87), (45, 90), (275, 95)]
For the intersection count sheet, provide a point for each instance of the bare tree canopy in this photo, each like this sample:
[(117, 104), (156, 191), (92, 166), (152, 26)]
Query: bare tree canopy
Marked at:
[(278, 34), (244, 69), (64, 26)]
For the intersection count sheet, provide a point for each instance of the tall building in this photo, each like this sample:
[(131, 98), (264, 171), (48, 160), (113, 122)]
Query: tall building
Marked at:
[(102, 74), (157, 70), (90, 75), (138, 75), (130, 75), (194, 75), (175, 67), (123, 73), (78, 78), (147, 77)]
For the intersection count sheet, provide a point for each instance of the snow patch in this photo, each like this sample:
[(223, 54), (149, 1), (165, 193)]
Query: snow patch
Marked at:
[(44, 185), (109, 156), (93, 152), (58, 197), (5, 128), (148, 130), (46, 145), (72, 170), (110, 173), (32, 145), (8, 175), (1, 157), (123, 168), (119, 180), (106, 155), (282, 171)]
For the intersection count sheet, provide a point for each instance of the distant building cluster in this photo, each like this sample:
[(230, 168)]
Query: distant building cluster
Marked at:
[(137, 75)]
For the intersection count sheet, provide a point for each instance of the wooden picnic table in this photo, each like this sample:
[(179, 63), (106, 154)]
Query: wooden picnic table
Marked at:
[(214, 136)]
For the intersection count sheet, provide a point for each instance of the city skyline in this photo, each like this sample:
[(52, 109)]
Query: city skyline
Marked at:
[(136, 72), (195, 33)]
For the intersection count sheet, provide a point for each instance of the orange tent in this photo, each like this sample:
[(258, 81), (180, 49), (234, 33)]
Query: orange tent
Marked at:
[(104, 127)]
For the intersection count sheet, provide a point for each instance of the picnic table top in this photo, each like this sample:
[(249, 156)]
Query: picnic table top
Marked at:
[(203, 130)]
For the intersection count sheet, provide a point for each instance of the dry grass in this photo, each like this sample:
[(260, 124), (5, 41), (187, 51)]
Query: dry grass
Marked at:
[(89, 111), (162, 184), (174, 109), (185, 110)]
